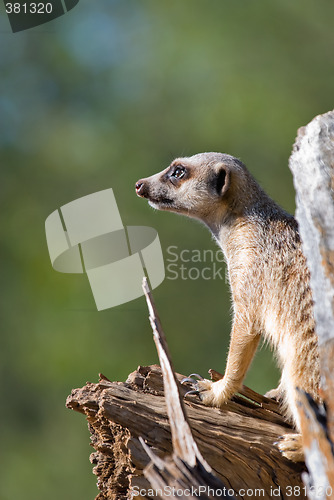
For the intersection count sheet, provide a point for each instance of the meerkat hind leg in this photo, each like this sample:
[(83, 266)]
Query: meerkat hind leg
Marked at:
[(291, 447), (277, 394)]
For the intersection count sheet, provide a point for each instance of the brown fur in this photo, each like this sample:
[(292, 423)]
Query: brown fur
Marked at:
[(268, 275)]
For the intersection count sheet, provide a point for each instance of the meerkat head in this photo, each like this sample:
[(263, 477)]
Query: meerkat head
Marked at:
[(206, 186)]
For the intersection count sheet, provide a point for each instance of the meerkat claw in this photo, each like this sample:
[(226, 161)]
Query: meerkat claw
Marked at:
[(192, 378), (186, 379), (192, 392), (196, 375), (202, 388)]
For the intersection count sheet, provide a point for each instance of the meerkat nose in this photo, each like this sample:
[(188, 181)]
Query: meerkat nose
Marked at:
[(139, 187)]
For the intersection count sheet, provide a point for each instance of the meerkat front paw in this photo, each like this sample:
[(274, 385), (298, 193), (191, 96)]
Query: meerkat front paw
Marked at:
[(211, 393), (291, 447)]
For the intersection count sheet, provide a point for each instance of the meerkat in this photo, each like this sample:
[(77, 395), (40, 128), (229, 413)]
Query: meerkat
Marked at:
[(268, 275)]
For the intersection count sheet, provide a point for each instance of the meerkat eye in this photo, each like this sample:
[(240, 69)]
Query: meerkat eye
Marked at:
[(178, 172)]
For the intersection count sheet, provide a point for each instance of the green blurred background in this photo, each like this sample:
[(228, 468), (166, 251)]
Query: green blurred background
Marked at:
[(98, 98)]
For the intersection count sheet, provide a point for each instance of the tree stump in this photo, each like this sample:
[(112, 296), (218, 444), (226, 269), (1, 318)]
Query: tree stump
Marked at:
[(237, 441)]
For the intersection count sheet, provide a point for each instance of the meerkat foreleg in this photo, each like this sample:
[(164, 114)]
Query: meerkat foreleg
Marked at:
[(244, 342)]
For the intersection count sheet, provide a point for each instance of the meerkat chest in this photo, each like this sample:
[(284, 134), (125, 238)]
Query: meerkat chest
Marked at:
[(256, 295)]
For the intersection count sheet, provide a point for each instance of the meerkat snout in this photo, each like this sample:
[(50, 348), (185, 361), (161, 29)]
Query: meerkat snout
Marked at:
[(139, 185), (140, 188)]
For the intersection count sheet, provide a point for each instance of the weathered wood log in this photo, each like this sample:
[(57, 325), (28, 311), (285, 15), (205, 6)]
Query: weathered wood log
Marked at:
[(312, 165), (237, 441), (184, 473)]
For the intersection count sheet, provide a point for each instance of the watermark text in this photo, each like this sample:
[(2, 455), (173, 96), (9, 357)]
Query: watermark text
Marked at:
[(194, 264)]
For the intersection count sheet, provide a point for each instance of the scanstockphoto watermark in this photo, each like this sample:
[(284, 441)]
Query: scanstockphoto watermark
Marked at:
[(196, 492), (194, 264)]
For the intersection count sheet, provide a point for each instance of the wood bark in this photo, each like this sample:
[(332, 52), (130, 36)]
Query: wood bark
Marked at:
[(312, 165)]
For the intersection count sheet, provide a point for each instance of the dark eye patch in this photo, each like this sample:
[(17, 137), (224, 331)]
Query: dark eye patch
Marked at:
[(178, 172)]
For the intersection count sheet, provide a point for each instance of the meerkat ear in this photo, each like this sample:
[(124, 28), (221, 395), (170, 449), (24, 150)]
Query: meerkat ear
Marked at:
[(222, 180)]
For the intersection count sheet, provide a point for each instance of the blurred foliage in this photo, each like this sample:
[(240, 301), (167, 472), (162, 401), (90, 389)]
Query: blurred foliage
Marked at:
[(100, 97)]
